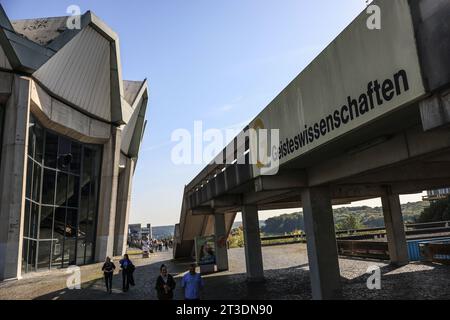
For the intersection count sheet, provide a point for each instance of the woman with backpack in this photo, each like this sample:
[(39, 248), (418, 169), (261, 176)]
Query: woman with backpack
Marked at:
[(127, 272)]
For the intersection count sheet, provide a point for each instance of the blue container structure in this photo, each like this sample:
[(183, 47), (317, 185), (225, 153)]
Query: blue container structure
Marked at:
[(414, 247)]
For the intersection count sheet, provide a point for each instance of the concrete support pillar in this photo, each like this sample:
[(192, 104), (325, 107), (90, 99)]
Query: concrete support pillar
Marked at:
[(13, 178), (395, 229), (252, 240), (321, 243), (123, 208), (108, 196), (221, 242)]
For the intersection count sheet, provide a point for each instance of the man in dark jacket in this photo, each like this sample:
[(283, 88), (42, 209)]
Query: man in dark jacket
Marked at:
[(164, 284)]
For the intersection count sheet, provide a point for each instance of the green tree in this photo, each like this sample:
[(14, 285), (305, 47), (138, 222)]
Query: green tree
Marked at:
[(438, 210), (236, 238), (349, 222), (285, 223)]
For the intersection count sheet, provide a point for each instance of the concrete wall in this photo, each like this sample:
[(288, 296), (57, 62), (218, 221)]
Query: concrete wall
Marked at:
[(65, 120), (123, 207), (12, 178), (108, 197)]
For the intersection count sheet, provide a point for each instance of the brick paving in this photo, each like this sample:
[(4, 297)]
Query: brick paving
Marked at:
[(286, 273)]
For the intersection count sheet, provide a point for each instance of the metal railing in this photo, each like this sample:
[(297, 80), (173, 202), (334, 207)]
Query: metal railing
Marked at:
[(366, 242)]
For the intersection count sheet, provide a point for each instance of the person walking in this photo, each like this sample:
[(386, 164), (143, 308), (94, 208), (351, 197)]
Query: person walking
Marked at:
[(127, 272), (165, 284), (108, 271), (192, 283)]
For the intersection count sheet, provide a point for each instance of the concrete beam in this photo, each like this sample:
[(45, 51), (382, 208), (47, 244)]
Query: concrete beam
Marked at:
[(201, 211), (321, 243), (356, 191), (265, 196), (228, 200), (414, 171), (395, 228), (282, 181), (435, 111), (419, 186), (406, 145), (253, 253)]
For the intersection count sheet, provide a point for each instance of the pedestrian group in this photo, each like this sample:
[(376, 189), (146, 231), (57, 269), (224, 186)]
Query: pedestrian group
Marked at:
[(191, 283)]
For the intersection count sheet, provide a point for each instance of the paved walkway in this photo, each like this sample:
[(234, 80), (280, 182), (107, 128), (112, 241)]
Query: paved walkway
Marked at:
[(286, 272)]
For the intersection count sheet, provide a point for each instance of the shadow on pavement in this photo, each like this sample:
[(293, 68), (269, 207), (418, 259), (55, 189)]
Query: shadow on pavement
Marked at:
[(428, 282)]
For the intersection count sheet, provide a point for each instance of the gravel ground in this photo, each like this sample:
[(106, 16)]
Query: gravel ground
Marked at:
[(286, 273)]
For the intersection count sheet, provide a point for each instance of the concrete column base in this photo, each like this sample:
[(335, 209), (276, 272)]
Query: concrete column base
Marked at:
[(221, 242), (321, 244), (253, 253), (395, 229)]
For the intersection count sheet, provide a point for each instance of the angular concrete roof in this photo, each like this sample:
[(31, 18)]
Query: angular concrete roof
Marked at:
[(79, 67), (134, 130), (131, 90), (42, 30)]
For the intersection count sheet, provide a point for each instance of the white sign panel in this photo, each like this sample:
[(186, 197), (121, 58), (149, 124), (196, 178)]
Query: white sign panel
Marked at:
[(363, 74)]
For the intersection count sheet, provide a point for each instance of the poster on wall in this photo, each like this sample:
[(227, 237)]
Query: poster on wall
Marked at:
[(205, 250)]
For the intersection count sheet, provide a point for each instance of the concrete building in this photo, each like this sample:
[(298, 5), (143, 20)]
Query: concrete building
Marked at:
[(137, 232), (70, 132), (368, 117), (436, 194)]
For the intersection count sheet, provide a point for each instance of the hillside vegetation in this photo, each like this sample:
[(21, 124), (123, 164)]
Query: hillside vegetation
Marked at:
[(346, 218)]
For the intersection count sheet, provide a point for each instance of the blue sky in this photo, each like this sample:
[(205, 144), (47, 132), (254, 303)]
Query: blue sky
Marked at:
[(218, 61)]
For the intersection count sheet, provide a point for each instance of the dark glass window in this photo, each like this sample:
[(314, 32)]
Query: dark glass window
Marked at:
[(64, 154), (46, 224), (39, 143), (29, 253), (51, 150), (61, 200), (73, 189), (81, 248), (70, 236), (58, 236), (26, 223), (48, 187), (89, 257), (25, 262), (36, 185), (34, 220), (29, 181), (44, 252), (61, 189), (31, 137), (83, 221), (2, 125), (75, 163)]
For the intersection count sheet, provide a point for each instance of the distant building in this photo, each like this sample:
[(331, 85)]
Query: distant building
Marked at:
[(70, 132), (146, 232), (137, 232), (436, 194)]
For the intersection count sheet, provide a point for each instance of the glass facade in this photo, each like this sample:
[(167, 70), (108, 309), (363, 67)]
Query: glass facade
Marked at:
[(63, 178), (2, 125)]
